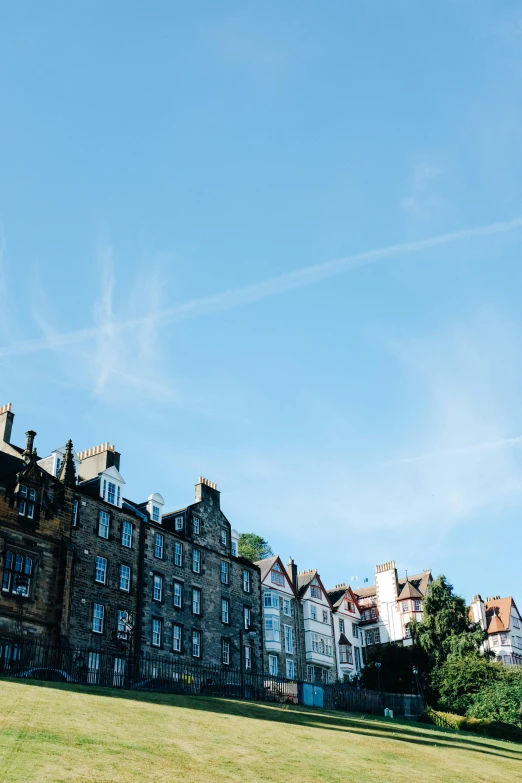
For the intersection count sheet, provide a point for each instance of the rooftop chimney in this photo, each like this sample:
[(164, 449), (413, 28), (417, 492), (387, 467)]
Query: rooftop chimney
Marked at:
[(30, 435), (6, 423), (207, 489), (292, 572), (97, 459)]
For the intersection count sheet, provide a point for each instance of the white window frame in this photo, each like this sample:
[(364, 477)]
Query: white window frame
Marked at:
[(177, 641), (178, 523), (225, 611), (289, 638), (126, 534), (104, 522), (100, 570), (98, 618), (156, 514), (225, 652), (287, 607), (196, 525), (247, 581), (158, 537), (157, 588), (178, 554), (272, 629), (157, 632), (196, 601), (290, 669), (224, 572), (125, 578), (196, 561), (248, 657), (75, 513), (196, 644), (224, 537), (272, 665), (277, 577), (179, 595)]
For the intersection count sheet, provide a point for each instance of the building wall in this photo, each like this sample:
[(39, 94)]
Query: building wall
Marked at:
[(278, 648), (321, 663), (208, 542)]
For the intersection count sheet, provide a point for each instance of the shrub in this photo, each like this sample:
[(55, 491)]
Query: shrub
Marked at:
[(501, 699), (459, 679), (485, 726)]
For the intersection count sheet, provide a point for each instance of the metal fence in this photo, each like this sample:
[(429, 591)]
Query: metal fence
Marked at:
[(341, 696), (33, 660)]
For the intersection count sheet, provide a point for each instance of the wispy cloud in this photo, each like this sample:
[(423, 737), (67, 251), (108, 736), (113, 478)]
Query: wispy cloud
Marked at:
[(492, 445), (421, 199), (228, 300)]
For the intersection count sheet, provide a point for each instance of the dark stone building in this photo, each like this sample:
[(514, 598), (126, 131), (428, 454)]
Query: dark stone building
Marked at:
[(200, 603), (84, 567)]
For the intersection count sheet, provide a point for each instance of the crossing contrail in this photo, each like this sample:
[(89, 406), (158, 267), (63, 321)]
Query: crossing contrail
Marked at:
[(227, 300)]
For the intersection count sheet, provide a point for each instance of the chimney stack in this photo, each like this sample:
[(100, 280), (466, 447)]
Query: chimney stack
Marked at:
[(207, 489), (292, 572), (6, 423), (30, 435)]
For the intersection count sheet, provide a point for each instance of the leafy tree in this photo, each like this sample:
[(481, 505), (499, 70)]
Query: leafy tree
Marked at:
[(446, 628), (501, 699), (460, 678), (253, 547)]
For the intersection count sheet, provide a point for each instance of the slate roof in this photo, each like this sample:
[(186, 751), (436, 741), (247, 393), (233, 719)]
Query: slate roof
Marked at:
[(420, 582), (9, 465), (303, 580), (266, 565), (365, 592), (409, 591), (337, 595)]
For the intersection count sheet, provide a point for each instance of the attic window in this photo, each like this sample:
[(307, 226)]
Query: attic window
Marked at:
[(178, 523), (315, 592), (276, 567), (26, 502), (277, 578), (349, 606), (155, 513)]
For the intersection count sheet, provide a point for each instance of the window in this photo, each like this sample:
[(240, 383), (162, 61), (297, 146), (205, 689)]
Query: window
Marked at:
[(58, 463), (225, 652), (495, 640), (224, 572), (369, 637), (277, 578), (121, 627), (101, 570), (111, 493), (290, 669), (126, 534), (405, 606), (377, 636), (177, 636), (158, 546), (289, 639), (223, 537), (345, 653), (407, 631), (374, 613), (417, 605), (248, 658), (157, 587), (325, 616), (178, 523), (270, 600), (355, 630), (103, 525), (516, 624), (125, 574), (366, 615), (349, 606), (234, 549), (197, 525), (75, 513), (196, 561), (272, 665), (322, 644), (98, 616), (178, 554), (225, 610), (157, 631), (246, 581), (309, 673), (155, 514), (93, 668), (503, 638), (178, 595), (196, 644), (357, 659), (341, 626), (272, 629), (287, 607), (196, 600), (247, 617), (313, 612), (18, 570), (26, 502)]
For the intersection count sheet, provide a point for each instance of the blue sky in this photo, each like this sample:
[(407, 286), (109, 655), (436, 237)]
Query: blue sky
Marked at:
[(277, 245)]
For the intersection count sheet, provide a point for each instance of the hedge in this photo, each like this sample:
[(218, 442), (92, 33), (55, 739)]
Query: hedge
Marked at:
[(485, 726)]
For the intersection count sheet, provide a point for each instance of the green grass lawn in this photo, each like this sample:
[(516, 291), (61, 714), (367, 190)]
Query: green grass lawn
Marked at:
[(72, 733)]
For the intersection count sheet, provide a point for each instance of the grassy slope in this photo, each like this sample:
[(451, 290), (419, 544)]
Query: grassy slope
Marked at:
[(67, 733)]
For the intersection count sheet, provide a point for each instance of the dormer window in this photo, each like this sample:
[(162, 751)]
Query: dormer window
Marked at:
[(178, 523), (111, 486), (154, 507), (26, 502), (155, 514)]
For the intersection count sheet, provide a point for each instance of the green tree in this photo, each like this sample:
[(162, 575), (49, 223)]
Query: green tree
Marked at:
[(446, 628), (460, 678), (253, 547), (501, 698), (396, 669)]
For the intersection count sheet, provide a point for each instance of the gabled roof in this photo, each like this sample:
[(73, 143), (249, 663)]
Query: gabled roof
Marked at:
[(409, 591), (338, 594), (266, 566), (420, 582), (365, 592), (344, 640), (305, 578), (498, 614)]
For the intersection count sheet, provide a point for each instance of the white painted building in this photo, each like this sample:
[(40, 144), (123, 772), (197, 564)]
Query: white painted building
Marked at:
[(388, 606), (503, 622), (280, 619), (318, 629), (347, 632)]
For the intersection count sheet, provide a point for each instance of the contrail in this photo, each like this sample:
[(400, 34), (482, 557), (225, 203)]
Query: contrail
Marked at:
[(490, 445), (227, 300)]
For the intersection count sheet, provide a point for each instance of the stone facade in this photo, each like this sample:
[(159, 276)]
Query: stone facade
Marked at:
[(200, 603)]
